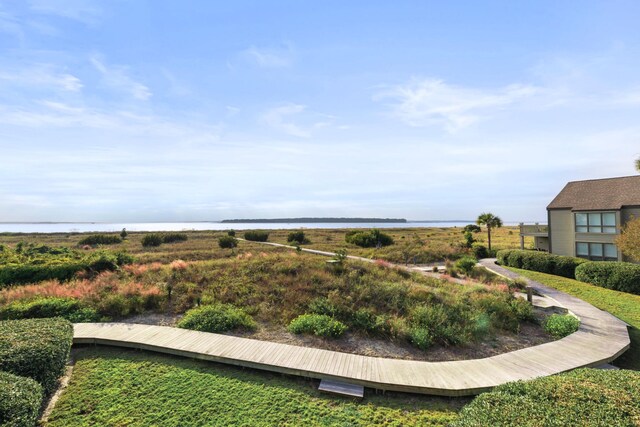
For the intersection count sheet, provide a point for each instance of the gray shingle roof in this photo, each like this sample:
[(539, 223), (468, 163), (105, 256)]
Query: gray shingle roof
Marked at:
[(599, 194)]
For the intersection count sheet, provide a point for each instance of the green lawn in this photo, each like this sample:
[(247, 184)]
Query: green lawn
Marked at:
[(116, 387), (622, 305)]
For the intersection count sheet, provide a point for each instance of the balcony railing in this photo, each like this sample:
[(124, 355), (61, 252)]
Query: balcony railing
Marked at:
[(534, 229)]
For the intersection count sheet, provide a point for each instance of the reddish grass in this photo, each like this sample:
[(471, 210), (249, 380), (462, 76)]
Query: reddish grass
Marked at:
[(87, 290)]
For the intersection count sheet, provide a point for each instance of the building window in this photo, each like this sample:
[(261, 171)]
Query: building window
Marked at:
[(597, 251), (598, 222)]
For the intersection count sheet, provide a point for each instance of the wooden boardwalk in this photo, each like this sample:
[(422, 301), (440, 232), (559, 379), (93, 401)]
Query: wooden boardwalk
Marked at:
[(600, 339)]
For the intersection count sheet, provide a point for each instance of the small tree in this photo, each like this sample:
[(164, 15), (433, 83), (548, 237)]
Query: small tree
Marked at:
[(123, 233), (491, 221), (629, 241), (638, 164)]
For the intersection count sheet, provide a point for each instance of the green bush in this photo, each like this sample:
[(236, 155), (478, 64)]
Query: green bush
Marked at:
[(174, 237), (368, 238), (256, 236), (584, 397), (16, 274), (106, 261), (561, 325), (20, 400), (31, 264), (619, 276), (101, 239), (454, 324), (227, 242), (540, 261), (297, 237), (231, 233), (480, 251), (420, 337), (216, 318), (68, 308), (317, 324), (36, 348), (466, 264), (152, 239)]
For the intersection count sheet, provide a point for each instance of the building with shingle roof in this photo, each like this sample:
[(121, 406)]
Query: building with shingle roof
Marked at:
[(586, 217)]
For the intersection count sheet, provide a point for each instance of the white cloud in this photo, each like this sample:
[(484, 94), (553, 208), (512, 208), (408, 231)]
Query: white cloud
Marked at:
[(276, 118), (43, 75), (269, 57), (432, 101), (117, 77)]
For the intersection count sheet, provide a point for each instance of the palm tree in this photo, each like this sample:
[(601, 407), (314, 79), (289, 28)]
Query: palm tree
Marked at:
[(491, 221)]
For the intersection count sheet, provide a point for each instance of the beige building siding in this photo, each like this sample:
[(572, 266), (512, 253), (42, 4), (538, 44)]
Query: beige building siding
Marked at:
[(562, 232), (541, 243)]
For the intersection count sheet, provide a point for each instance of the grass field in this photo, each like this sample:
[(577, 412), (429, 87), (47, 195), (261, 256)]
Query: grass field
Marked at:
[(114, 387), (433, 244), (622, 305)]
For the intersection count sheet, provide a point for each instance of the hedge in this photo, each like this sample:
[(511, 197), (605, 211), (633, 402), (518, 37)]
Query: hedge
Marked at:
[(540, 261), (68, 308), (619, 276), (20, 400), (36, 348), (584, 397)]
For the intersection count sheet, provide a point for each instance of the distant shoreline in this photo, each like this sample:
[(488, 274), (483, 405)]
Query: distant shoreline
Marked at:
[(314, 220)]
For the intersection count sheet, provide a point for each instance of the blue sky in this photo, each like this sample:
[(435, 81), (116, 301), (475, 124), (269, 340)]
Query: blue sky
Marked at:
[(204, 110)]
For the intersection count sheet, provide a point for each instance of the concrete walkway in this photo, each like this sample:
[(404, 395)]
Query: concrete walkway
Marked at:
[(600, 339)]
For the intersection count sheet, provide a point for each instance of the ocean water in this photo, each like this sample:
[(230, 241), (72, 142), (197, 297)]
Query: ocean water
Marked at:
[(83, 227)]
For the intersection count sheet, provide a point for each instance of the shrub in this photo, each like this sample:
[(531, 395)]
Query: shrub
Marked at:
[(446, 324), (317, 324), (174, 237), (101, 239), (364, 319), (227, 242), (231, 233), (323, 306), (29, 273), (36, 348), (540, 261), (256, 236), (297, 237), (420, 337), (480, 251), (619, 276), (107, 261), (20, 400), (466, 264), (152, 239), (216, 318), (69, 308), (561, 325), (581, 397), (368, 239)]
